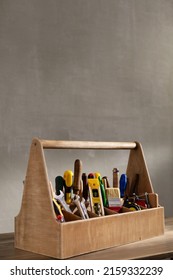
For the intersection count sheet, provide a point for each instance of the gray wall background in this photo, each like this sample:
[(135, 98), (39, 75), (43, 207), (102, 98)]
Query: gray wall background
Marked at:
[(85, 70)]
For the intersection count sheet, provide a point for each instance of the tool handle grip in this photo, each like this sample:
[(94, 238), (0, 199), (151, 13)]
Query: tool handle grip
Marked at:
[(59, 144), (77, 175)]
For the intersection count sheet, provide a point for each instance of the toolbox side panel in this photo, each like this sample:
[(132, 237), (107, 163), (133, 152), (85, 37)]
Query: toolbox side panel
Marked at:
[(109, 231), (36, 228)]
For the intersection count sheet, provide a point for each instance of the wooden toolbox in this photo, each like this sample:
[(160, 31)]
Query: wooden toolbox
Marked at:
[(36, 227)]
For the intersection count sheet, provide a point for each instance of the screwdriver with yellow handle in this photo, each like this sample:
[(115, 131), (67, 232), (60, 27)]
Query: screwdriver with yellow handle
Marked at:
[(68, 178)]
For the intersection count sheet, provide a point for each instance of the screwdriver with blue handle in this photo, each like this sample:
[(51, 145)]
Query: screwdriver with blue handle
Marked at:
[(123, 185)]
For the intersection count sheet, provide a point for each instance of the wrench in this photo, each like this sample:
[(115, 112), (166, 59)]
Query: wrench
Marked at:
[(81, 206), (84, 208), (61, 200)]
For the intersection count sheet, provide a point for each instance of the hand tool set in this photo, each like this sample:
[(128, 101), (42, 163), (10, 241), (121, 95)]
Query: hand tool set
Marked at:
[(79, 193), (86, 212)]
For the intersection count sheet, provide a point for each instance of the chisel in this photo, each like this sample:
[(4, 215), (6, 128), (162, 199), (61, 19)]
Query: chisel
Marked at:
[(77, 177), (115, 178)]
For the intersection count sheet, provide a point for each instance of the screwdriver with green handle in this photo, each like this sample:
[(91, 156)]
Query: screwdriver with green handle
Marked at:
[(59, 184), (103, 192)]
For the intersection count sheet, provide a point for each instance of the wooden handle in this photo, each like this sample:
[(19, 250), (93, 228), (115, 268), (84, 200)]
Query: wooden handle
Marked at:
[(115, 178), (77, 176), (59, 144)]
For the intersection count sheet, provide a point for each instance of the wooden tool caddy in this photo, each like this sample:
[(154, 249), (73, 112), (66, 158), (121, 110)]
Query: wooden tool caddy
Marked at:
[(37, 230)]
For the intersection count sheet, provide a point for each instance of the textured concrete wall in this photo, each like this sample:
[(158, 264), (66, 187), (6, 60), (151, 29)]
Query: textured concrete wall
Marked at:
[(85, 70)]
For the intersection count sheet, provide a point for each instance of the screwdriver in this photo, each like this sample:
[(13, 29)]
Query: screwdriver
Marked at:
[(68, 178)]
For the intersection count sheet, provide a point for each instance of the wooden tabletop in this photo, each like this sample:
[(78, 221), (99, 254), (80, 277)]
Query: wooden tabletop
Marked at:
[(160, 247)]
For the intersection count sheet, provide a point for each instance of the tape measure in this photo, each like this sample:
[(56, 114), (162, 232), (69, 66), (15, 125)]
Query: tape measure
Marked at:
[(132, 206)]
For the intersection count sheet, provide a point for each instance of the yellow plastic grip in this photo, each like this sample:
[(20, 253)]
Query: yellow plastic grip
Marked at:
[(68, 177)]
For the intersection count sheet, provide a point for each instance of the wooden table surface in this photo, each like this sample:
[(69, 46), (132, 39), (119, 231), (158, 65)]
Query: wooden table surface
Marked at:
[(160, 247)]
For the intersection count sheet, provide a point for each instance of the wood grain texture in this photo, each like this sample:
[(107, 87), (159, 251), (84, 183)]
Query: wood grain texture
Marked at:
[(158, 247), (137, 165), (37, 230), (54, 144)]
